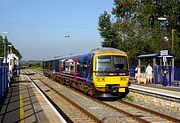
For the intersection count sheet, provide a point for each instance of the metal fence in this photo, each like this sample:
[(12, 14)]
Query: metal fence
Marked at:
[(4, 72), (159, 76), (177, 73), (163, 78), (132, 72)]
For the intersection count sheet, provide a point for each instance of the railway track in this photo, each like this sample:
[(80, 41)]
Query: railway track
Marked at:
[(71, 111), (95, 110), (169, 118)]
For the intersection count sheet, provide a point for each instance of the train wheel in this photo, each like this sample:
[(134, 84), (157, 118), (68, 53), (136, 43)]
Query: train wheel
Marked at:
[(90, 91), (86, 89), (58, 78), (63, 81), (73, 84), (81, 86)]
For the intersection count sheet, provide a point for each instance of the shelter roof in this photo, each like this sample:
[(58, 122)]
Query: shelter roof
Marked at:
[(156, 55)]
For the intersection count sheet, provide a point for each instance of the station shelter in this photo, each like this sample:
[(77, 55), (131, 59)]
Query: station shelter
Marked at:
[(163, 67)]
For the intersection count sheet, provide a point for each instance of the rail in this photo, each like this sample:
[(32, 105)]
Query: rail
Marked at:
[(128, 114)]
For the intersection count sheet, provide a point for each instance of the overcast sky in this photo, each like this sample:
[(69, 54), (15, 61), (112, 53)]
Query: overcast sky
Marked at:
[(38, 28)]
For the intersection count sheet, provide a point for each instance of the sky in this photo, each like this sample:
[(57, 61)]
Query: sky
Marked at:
[(38, 28)]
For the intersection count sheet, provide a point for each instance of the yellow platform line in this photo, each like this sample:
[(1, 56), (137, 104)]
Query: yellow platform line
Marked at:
[(21, 105)]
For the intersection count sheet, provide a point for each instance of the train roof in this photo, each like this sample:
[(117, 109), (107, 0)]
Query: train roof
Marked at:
[(98, 50), (106, 49)]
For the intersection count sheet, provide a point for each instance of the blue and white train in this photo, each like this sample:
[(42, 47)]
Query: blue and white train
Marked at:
[(103, 72)]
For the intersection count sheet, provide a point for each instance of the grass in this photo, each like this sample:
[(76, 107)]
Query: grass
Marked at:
[(129, 98)]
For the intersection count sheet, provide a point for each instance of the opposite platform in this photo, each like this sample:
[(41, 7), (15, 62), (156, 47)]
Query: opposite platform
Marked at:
[(168, 91)]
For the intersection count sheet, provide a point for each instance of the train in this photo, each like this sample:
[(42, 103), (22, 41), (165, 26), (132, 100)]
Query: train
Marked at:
[(102, 72)]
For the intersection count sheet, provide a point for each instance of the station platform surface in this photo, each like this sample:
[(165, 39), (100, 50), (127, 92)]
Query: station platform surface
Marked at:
[(25, 104), (169, 91)]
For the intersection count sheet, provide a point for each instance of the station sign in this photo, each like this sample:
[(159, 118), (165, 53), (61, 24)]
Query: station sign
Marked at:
[(164, 52), (164, 59)]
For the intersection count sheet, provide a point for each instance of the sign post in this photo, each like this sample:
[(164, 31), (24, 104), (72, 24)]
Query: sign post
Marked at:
[(164, 60), (164, 53)]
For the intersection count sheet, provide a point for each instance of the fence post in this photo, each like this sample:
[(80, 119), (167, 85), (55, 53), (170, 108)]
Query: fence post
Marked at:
[(1, 84), (170, 74), (6, 75), (3, 81)]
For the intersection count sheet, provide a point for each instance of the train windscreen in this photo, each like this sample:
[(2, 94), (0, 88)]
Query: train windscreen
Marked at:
[(111, 65)]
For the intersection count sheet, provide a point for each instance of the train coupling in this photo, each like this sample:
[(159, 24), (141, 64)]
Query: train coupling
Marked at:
[(112, 88)]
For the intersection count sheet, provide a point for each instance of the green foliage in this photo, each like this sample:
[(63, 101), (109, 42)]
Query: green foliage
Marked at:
[(1, 46), (129, 98), (14, 50), (131, 30), (33, 65), (107, 32)]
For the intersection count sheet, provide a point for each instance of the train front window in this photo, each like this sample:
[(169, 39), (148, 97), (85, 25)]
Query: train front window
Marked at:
[(111, 64)]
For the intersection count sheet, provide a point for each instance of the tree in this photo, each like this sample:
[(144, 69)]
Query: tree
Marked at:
[(136, 29), (107, 32), (130, 28), (1, 46), (14, 50)]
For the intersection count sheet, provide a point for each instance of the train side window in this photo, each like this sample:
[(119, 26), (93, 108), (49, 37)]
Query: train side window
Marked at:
[(66, 66), (69, 65), (63, 65), (84, 66), (72, 67), (79, 67), (46, 65), (90, 67), (57, 65), (51, 65)]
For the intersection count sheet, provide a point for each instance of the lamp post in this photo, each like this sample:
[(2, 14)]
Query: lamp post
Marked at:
[(165, 37), (5, 47), (164, 56), (172, 46)]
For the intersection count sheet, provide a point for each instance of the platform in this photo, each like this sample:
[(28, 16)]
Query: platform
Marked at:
[(24, 103), (168, 91)]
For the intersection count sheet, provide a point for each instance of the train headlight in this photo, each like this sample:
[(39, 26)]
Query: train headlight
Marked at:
[(100, 78), (124, 78)]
